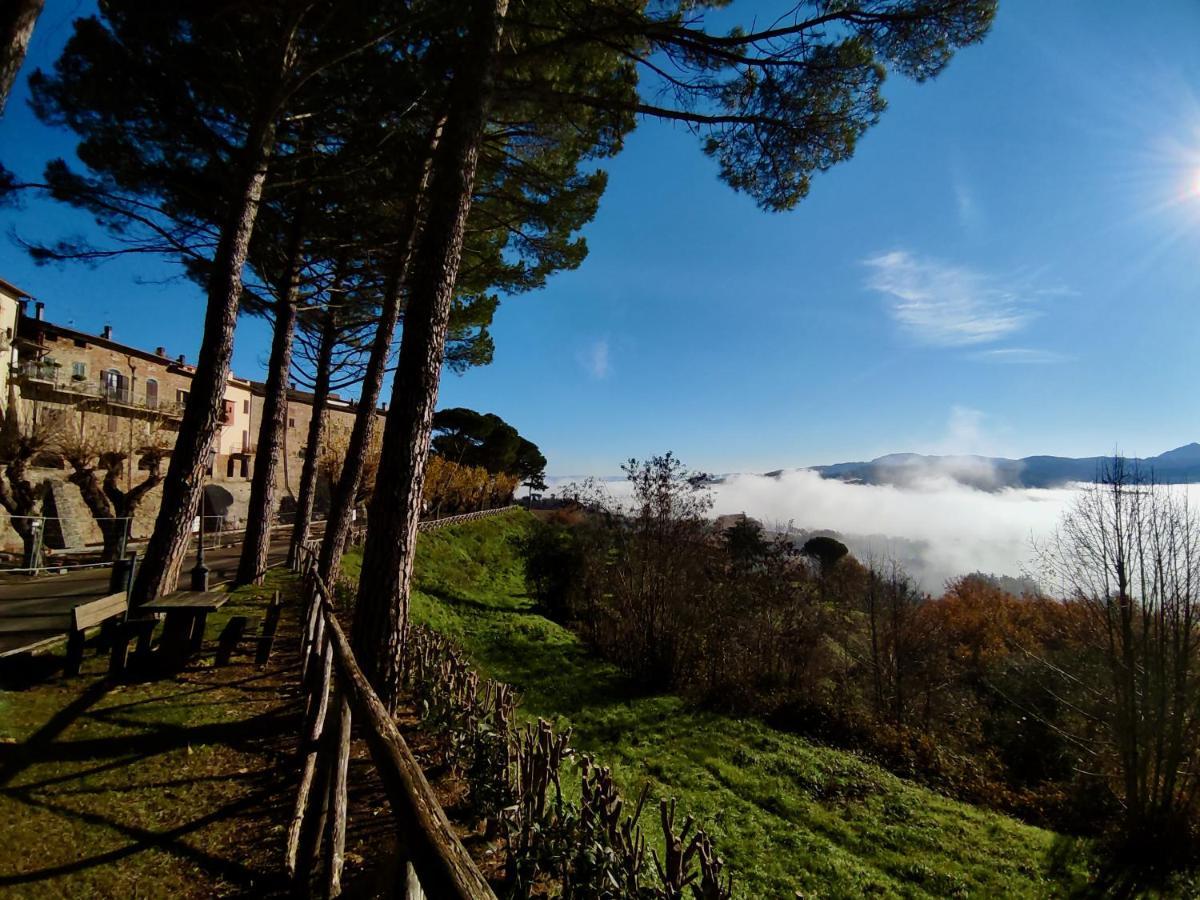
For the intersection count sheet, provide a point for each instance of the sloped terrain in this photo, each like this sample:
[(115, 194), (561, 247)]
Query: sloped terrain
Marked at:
[(787, 815)]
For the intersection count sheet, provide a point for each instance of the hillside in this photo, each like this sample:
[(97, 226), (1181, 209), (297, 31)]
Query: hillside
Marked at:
[(1178, 466), (787, 815)]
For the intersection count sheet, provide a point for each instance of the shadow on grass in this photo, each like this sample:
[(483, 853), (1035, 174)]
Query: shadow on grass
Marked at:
[(109, 783), (459, 601), (143, 839), (37, 746)]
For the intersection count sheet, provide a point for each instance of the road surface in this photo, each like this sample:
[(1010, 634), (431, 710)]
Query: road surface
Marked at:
[(36, 608)]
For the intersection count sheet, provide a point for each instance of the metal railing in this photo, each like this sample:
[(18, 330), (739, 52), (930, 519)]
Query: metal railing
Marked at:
[(435, 863), (52, 375)]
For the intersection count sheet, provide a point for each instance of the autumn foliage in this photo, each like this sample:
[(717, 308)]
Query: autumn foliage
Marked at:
[(1015, 702)]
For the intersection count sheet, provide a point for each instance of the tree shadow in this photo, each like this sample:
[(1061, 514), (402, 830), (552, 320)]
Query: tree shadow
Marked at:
[(78, 779), (34, 748)]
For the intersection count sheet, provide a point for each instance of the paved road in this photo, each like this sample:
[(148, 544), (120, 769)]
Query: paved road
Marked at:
[(37, 607)]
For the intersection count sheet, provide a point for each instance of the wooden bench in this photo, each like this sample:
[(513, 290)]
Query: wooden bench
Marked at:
[(106, 612), (235, 630), (187, 612)]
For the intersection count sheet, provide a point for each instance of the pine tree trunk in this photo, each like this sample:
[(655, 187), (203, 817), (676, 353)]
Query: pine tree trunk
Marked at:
[(381, 613), (257, 543), (17, 18), (184, 481), (342, 501), (316, 435)]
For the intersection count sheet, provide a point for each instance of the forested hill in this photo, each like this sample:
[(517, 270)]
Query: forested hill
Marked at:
[(1178, 466)]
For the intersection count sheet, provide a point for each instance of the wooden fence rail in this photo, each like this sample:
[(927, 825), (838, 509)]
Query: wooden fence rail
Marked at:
[(434, 862)]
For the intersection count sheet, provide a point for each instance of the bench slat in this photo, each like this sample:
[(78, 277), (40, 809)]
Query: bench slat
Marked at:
[(187, 600), (97, 611)]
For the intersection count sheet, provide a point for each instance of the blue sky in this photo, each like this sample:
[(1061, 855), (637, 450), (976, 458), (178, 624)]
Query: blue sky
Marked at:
[(1009, 265)]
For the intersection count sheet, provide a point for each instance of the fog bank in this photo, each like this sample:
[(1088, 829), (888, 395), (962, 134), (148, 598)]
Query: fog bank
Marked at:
[(938, 527)]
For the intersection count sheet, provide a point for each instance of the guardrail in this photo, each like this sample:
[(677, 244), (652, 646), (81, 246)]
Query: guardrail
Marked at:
[(49, 375), (435, 863)]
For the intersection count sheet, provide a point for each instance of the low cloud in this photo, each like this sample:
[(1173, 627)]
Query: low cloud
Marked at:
[(938, 528)]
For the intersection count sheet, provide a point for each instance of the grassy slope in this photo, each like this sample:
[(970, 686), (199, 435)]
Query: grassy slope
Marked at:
[(787, 815)]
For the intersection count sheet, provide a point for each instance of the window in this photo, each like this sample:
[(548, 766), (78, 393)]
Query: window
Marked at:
[(291, 423), (113, 423), (246, 407), (79, 371), (245, 442), (151, 393), (227, 412), (229, 467), (116, 386), (181, 399), (245, 467)]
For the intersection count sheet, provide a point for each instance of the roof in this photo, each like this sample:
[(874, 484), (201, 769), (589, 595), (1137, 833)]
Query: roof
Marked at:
[(9, 288), (259, 388), (28, 322)]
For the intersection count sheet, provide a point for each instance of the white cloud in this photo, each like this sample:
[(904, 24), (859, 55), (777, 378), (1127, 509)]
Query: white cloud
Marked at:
[(947, 305), (595, 359), (1019, 356)]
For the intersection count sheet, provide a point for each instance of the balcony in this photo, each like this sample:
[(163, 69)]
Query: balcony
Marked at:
[(48, 381)]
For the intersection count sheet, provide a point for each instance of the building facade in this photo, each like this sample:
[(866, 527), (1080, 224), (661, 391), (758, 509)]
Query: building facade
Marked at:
[(90, 393)]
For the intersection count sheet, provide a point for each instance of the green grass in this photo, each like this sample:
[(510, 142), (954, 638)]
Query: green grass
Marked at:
[(787, 815), (170, 787)]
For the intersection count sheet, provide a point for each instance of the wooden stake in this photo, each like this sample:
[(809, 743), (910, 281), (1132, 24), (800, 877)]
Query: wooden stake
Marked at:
[(335, 846), (310, 745)]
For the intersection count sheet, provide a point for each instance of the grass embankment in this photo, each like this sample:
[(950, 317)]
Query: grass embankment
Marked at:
[(173, 787), (787, 815)]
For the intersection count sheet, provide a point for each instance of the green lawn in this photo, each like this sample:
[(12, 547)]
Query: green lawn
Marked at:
[(169, 787), (788, 816)]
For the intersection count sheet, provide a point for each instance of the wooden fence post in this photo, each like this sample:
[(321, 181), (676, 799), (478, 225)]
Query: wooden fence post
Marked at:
[(335, 845), (318, 702)]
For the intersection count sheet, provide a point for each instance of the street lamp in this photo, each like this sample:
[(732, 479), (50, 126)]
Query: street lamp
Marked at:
[(200, 570)]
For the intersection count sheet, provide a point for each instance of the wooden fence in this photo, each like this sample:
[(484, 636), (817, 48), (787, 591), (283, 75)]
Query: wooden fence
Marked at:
[(430, 524), (434, 862)]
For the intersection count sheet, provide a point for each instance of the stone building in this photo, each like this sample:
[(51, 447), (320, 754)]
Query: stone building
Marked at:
[(76, 389)]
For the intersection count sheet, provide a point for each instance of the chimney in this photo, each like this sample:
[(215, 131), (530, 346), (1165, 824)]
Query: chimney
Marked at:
[(107, 333), (160, 351), (181, 359), (38, 309)]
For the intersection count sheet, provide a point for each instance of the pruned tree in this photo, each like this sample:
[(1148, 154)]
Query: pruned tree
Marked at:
[(111, 505), (20, 445)]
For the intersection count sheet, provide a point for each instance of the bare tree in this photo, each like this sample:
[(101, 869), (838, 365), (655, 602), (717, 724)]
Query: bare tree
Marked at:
[(20, 444), (111, 505), (1128, 553), (895, 639)]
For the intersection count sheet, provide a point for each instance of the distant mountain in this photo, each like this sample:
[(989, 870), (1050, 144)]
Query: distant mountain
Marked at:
[(989, 473)]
